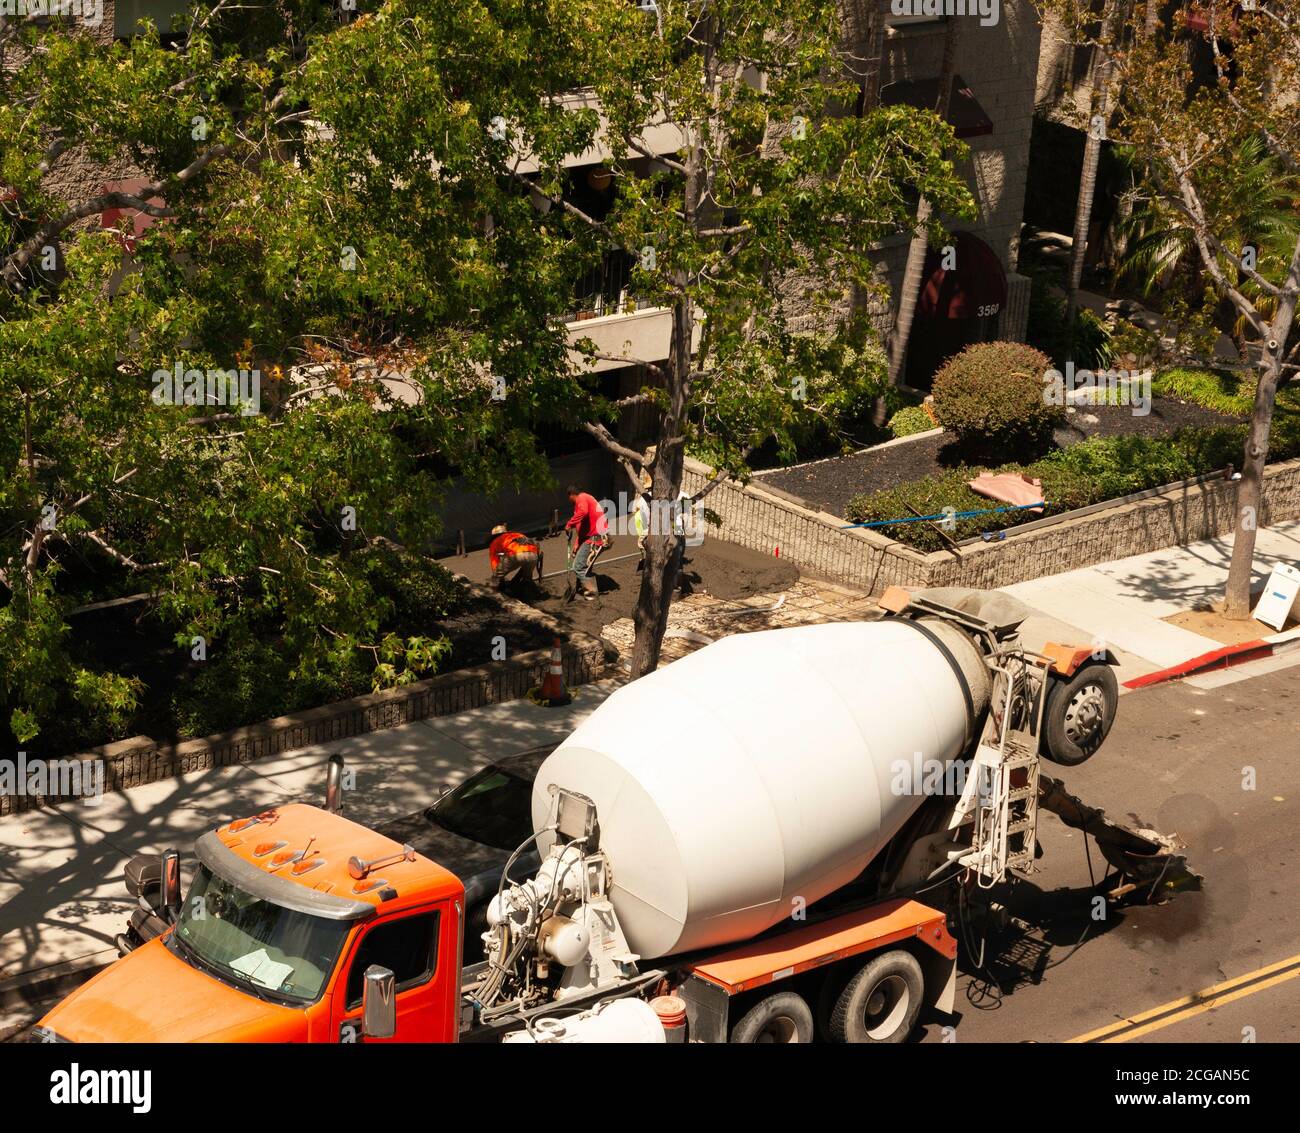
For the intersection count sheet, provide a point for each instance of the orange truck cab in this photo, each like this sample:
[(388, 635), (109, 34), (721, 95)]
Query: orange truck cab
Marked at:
[(299, 926)]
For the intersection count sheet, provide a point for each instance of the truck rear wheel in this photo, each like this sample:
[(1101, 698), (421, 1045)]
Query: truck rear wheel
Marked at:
[(780, 1018), (1078, 714), (881, 1003)]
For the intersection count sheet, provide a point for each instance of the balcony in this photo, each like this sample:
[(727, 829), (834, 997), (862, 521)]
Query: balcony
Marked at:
[(618, 322), (658, 136)]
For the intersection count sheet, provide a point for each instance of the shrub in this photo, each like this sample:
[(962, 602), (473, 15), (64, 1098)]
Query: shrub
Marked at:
[(991, 396), (910, 420), (256, 673), (247, 678), (1046, 331), (1104, 468), (1110, 467), (928, 496), (420, 590), (1224, 391)]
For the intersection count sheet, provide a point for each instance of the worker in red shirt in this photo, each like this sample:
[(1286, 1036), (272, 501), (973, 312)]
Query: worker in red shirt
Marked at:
[(512, 553), (589, 527)]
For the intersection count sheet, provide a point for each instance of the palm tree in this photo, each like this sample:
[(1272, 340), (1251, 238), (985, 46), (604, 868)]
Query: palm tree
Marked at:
[(1259, 204), (916, 249), (1091, 158)]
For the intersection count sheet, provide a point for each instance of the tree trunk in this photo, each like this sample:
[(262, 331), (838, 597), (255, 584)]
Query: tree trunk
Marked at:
[(1088, 179), (874, 21), (663, 550), (919, 244), (1250, 488)]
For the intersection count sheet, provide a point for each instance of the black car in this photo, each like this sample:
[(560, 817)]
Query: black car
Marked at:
[(472, 831)]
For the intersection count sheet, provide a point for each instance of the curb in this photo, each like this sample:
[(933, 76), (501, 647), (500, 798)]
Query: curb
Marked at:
[(1224, 658)]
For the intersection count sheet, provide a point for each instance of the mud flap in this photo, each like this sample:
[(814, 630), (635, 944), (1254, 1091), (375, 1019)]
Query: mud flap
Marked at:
[(940, 979)]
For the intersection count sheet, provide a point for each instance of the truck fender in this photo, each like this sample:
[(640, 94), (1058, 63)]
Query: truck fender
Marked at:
[(1069, 659)]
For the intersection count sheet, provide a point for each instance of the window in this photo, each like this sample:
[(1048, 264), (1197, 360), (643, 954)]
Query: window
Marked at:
[(127, 12), (907, 12), (407, 947), (254, 942)]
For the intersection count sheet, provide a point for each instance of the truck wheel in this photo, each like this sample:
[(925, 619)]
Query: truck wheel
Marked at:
[(780, 1018), (881, 1003), (1078, 714)]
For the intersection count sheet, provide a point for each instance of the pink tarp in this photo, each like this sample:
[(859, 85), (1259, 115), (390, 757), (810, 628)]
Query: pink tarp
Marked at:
[(1010, 488)]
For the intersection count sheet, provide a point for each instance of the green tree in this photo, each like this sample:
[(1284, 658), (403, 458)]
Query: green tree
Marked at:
[(366, 297), (1257, 202), (772, 180), (1194, 134)]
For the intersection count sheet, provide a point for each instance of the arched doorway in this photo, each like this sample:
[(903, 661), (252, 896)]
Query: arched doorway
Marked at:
[(958, 305)]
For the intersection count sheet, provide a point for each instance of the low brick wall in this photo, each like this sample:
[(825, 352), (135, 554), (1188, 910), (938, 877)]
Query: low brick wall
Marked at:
[(765, 520), (139, 760)]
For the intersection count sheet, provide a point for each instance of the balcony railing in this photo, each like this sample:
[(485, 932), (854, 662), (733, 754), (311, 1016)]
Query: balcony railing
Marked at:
[(604, 291)]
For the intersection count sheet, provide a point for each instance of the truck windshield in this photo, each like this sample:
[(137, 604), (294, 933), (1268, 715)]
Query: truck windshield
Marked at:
[(255, 943)]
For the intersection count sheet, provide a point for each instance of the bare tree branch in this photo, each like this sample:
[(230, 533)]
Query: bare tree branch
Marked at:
[(608, 442)]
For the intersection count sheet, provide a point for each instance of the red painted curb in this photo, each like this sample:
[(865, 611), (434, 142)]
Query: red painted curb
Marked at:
[(1223, 658)]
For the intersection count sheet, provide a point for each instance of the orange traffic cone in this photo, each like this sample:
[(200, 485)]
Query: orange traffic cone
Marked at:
[(552, 693)]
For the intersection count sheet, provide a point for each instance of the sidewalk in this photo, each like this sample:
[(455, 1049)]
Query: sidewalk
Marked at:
[(1126, 604), (62, 900)]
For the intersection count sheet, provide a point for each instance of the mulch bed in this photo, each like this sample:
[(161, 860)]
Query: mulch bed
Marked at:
[(828, 485), (474, 630)]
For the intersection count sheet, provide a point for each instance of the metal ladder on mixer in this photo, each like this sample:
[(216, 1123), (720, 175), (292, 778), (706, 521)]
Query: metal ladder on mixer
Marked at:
[(1000, 796)]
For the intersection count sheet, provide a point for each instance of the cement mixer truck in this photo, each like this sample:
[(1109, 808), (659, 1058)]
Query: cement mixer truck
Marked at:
[(764, 841)]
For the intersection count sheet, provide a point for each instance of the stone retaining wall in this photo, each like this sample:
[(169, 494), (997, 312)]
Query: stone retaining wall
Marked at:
[(772, 522)]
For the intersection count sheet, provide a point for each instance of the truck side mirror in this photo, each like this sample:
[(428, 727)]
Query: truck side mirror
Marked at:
[(378, 1003), (169, 897)]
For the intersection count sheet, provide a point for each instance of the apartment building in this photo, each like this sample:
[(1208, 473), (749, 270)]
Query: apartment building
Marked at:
[(991, 110)]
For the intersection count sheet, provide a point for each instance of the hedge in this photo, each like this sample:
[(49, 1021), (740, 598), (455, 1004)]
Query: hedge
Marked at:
[(1104, 468)]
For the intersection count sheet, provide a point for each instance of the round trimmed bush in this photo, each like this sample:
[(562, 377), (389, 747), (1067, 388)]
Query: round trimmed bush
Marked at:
[(993, 397)]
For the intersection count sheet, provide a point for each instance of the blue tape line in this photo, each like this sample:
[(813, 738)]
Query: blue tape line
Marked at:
[(944, 515)]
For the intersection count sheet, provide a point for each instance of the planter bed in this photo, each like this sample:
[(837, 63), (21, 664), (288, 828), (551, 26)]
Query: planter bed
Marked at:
[(123, 638), (829, 485)]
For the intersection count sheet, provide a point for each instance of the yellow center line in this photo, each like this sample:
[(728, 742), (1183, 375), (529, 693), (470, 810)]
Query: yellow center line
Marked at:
[(1191, 1005)]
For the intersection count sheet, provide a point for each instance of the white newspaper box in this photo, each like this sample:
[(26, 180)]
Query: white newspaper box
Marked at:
[(1279, 596)]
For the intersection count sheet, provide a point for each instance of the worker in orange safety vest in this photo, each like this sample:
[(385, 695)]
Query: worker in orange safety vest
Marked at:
[(512, 553)]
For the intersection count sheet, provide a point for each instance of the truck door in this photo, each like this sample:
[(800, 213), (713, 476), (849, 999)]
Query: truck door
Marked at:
[(410, 944)]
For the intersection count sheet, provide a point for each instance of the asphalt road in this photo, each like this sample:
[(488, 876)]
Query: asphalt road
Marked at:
[(1180, 760)]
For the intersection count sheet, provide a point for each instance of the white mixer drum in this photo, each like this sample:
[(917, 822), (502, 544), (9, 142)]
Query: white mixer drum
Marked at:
[(757, 772)]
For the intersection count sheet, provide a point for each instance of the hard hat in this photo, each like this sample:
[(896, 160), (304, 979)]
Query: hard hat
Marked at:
[(499, 529)]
